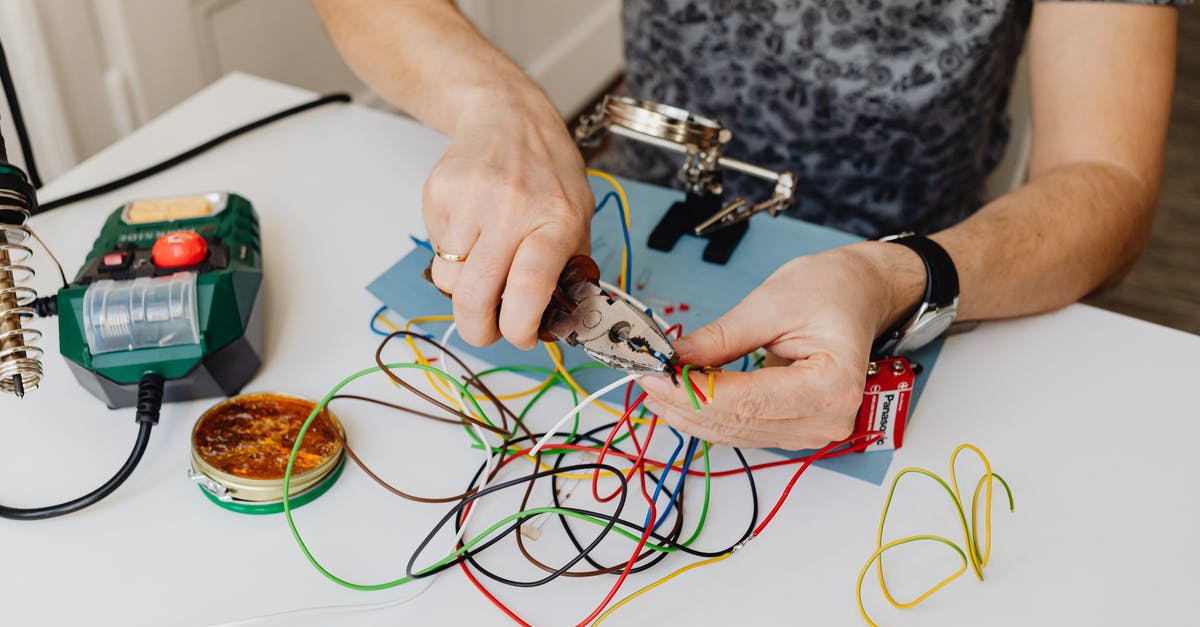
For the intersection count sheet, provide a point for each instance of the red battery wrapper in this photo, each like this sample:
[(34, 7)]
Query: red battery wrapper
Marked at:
[(886, 401)]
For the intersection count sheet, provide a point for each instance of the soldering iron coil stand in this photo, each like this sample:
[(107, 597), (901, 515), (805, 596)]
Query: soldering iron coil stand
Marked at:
[(20, 361), (702, 140)]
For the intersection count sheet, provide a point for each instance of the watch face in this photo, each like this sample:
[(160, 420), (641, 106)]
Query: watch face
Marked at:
[(926, 330)]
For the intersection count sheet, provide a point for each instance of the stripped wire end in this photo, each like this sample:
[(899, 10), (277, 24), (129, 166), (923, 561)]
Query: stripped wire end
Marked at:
[(642, 345)]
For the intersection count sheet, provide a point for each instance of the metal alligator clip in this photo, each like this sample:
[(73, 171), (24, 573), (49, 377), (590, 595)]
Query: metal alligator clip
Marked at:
[(736, 211), (610, 330)]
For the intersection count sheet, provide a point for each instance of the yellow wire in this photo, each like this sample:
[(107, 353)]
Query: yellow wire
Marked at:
[(658, 583), (437, 380), (878, 555), (712, 375), (556, 357), (622, 279), (972, 556), (982, 560)]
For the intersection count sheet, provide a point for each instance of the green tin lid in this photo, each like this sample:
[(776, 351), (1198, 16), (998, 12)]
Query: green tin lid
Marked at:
[(275, 507)]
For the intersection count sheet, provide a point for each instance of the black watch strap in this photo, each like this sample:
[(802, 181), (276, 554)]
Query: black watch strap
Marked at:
[(941, 282)]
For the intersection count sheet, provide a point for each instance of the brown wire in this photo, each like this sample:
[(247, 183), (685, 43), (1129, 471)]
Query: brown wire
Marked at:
[(599, 571), (502, 432), (367, 469), (471, 380)]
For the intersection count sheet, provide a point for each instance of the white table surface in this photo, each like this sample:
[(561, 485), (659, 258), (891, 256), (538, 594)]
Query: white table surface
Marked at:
[(1092, 417)]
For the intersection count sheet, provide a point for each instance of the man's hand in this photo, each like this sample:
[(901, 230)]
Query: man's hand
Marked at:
[(819, 316), (511, 194)]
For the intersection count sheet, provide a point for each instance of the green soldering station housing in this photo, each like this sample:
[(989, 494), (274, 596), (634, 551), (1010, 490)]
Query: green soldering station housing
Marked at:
[(172, 287)]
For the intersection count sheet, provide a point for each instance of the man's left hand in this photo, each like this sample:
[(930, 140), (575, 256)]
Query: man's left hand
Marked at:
[(817, 317)]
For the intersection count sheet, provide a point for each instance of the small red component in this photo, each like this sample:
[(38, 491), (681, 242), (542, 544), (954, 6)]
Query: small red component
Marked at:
[(886, 401), (641, 286), (179, 249), (668, 310), (683, 307)]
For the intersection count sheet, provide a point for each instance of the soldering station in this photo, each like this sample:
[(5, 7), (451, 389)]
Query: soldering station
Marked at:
[(167, 306)]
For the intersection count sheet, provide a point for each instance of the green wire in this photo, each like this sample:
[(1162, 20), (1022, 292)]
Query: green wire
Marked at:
[(541, 392), (707, 493), (958, 506), (687, 383), (287, 481)]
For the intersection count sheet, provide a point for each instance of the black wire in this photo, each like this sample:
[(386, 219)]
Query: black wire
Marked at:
[(190, 153), (150, 392), (658, 556), (670, 542), (458, 507), (14, 107), (667, 541), (584, 552)]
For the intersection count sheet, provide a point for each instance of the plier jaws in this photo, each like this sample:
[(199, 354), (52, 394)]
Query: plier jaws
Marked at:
[(610, 330)]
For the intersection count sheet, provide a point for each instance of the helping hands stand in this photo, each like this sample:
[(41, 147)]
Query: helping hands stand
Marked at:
[(703, 141)]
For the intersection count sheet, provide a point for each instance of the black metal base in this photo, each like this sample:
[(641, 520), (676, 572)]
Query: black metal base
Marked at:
[(223, 374), (683, 217)]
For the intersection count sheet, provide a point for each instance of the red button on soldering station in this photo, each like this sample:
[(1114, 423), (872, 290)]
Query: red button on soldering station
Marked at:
[(179, 249)]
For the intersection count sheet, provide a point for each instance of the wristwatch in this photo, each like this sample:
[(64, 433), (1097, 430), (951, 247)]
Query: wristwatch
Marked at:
[(939, 305)]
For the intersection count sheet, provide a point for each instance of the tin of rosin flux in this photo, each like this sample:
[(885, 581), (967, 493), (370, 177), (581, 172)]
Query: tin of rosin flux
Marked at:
[(240, 449)]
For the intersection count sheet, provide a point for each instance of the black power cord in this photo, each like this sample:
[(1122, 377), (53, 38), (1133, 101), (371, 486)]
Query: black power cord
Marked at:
[(147, 172), (150, 396), (10, 94)]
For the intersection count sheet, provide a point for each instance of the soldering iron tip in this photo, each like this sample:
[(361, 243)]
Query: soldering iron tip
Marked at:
[(18, 386)]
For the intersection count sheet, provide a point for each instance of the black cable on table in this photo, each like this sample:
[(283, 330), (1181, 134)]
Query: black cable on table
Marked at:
[(584, 552), (14, 107), (147, 172), (667, 541), (150, 394), (644, 564), (454, 511)]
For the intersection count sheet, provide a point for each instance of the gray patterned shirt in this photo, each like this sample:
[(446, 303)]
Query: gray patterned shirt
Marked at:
[(891, 113)]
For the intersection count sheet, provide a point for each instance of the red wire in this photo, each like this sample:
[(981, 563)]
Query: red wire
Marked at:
[(628, 565), (628, 393), (700, 395), (639, 464), (494, 600), (608, 443), (720, 473), (799, 471)]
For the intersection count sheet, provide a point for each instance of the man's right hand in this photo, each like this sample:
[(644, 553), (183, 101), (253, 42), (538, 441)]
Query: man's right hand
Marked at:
[(511, 194)]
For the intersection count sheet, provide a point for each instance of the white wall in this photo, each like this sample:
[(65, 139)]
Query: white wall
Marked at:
[(90, 71)]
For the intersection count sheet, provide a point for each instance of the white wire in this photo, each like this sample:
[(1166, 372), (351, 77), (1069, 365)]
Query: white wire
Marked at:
[(489, 462), (537, 448), (635, 302), (330, 609)]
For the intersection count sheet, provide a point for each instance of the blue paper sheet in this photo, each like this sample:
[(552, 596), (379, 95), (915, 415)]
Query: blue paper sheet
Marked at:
[(660, 280)]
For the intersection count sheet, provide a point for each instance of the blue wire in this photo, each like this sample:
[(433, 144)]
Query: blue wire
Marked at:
[(663, 478), (604, 201), (371, 323), (624, 233), (423, 243), (687, 464)]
